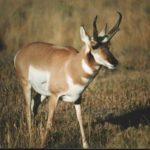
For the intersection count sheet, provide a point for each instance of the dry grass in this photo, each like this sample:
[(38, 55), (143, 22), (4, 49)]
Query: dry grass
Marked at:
[(116, 106)]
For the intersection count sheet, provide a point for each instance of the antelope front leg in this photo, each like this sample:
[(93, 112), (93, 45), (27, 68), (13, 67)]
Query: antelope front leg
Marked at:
[(27, 93), (52, 106), (79, 117)]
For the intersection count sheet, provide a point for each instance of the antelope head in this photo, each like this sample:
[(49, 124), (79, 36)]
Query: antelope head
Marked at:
[(100, 44)]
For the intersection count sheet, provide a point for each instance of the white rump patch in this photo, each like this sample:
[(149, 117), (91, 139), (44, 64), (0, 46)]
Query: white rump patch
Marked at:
[(39, 80), (86, 67)]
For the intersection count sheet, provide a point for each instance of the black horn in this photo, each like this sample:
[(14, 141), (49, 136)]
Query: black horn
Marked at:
[(115, 28), (95, 32)]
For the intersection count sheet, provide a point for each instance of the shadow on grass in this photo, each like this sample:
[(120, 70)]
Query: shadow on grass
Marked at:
[(130, 119)]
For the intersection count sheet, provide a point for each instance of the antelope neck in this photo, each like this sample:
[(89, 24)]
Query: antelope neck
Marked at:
[(90, 61)]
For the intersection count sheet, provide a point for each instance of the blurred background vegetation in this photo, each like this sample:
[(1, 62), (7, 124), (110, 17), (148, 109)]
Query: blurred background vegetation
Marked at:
[(112, 102), (24, 21)]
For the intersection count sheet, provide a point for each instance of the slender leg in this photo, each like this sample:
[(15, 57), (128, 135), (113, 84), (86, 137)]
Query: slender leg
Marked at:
[(52, 106), (79, 117), (27, 93), (36, 101)]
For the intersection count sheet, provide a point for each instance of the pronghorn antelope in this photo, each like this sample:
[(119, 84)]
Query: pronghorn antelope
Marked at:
[(63, 73)]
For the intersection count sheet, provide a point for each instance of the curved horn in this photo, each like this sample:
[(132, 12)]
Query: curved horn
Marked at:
[(95, 32), (115, 28), (106, 28)]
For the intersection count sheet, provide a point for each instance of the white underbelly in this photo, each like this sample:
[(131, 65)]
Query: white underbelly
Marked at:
[(39, 80), (40, 88), (70, 98)]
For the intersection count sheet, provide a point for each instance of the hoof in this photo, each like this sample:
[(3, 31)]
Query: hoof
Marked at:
[(85, 145)]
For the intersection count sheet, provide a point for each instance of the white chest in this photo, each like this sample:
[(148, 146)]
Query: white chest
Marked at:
[(73, 92), (39, 80)]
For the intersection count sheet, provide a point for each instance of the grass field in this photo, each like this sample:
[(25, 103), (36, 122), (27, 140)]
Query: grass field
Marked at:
[(116, 105)]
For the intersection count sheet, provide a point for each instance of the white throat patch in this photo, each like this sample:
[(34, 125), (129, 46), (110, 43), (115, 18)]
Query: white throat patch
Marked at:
[(86, 67)]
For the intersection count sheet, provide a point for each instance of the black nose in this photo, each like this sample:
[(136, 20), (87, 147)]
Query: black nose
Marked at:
[(113, 61)]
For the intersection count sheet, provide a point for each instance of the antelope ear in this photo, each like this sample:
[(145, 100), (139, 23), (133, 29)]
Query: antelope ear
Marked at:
[(84, 36)]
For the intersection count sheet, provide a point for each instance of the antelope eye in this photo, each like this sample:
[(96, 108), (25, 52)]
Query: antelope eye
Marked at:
[(95, 46)]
